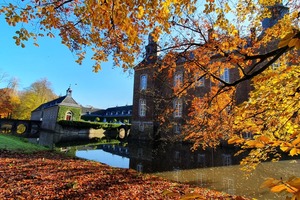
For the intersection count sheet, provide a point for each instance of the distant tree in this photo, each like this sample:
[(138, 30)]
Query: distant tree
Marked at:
[(38, 93), (9, 99)]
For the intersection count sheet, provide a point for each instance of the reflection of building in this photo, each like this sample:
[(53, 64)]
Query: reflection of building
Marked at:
[(62, 108), (118, 114), (171, 157)]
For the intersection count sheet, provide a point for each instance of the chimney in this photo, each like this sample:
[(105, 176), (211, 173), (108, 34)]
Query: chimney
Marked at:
[(69, 92)]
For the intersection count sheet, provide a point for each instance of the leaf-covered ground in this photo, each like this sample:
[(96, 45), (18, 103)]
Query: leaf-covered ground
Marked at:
[(49, 175)]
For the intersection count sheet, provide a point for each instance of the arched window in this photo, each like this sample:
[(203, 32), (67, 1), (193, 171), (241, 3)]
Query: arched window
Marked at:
[(69, 116), (143, 82)]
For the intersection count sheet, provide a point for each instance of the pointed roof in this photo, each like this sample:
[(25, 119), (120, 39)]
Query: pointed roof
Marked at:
[(66, 100)]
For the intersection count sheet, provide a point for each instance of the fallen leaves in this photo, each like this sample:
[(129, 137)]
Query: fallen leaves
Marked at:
[(48, 175)]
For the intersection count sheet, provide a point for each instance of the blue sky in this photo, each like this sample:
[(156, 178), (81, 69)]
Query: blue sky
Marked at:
[(54, 61)]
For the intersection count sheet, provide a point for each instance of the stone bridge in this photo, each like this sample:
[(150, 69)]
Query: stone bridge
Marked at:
[(24, 128)]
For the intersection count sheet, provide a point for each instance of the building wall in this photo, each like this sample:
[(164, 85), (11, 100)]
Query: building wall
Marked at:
[(160, 98), (36, 115), (143, 126), (49, 118)]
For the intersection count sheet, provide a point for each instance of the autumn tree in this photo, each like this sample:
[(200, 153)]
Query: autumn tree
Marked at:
[(36, 94), (9, 99), (251, 37)]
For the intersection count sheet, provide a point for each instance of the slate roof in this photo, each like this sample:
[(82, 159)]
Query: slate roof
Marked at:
[(90, 110), (121, 110), (64, 100)]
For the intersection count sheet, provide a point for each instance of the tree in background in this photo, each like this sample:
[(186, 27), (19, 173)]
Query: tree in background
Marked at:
[(36, 94), (9, 99)]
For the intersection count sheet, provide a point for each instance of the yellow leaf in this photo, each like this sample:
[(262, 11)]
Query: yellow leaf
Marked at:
[(278, 188), (296, 141), (288, 36), (297, 195), (292, 42), (235, 140), (297, 45), (270, 182), (283, 43), (141, 12), (264, 139), (295, 183), (285, 147), (294, 151)]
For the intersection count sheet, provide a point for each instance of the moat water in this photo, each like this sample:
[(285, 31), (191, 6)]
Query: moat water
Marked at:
[(214, 169)]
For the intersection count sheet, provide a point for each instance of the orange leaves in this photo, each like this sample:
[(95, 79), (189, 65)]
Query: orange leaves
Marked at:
[(260, 141), (291, 186), (140, 12), (290, 40), (210, 115), (54, 176), (236, 140), (97, 24)]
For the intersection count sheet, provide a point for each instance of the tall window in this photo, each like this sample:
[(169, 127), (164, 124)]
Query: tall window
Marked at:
[(225, 75), (143, 82), (141, 126), (142, 108), (226, 158), (177, 107), (178, 80), (177, 128), (69, 116)]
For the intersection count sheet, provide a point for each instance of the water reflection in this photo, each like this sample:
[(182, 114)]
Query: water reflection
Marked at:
[(104, 157), (215, 169)]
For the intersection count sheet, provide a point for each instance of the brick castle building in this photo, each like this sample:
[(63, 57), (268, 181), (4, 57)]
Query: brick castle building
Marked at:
[(154, 90)]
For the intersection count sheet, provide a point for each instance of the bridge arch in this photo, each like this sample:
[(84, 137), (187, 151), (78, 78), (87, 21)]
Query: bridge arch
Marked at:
[(24, 128)]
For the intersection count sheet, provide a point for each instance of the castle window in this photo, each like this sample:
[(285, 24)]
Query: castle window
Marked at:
[(139, 167), (142, 107), (227, 160), (177, 128), (178, 80), (177, 107), (141, 126), (69, 116), (143, 82), (225, 75), (201, 159)]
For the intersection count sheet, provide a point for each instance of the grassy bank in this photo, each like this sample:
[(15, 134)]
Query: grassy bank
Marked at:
[(13, 143)]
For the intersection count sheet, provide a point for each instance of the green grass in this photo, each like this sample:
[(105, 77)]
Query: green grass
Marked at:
[(13, 143)]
